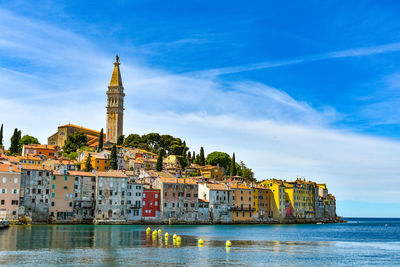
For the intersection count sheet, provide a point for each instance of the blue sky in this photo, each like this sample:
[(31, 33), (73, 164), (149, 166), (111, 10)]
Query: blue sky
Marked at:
[(297, 89)]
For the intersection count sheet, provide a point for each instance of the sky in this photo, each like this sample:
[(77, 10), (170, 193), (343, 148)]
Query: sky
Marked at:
[(307, 89)]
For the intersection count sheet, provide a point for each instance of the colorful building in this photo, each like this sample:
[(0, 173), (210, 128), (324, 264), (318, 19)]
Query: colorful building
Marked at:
[(242, 200), (277, 198), (41, 150), (134, 201), (30, 160), (262, 201), (10, 179), (219, 199), (62, 195), (151, 204), (111, 198), (179, 198), (84, 195)]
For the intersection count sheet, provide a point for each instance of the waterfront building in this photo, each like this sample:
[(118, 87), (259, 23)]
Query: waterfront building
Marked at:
[(42, 150), (262, 204), (111, 196), (84, 195), (134, 201), (203, 211), (115, 105), (277, 199), (10, 179), (219, 200), (179, 198), (34, 192), (242, 200), (300, 195), (61, 196), (151, 204)]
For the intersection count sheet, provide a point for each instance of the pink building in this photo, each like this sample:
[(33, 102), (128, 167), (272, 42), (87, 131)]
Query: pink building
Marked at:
[(10, 179)]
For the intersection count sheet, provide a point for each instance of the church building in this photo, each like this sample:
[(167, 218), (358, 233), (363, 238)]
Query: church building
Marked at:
[(114, 120)]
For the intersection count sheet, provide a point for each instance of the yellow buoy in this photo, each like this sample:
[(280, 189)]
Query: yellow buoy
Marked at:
[(148, 230), (174, 236), (178, 239), (201, 241), (166, 235), (228, 244), (154, 233)]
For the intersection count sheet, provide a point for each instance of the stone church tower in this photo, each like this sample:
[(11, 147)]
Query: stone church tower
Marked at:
[(115, 105)]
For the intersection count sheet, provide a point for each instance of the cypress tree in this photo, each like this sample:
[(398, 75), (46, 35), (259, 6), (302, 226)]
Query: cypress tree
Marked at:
[(88, 163), (14, 142), (1, 135), (233, 165), (189, 156), (159, 163), (101, 137), (202, 160), (193, 156), (113, 158), (120, 140)]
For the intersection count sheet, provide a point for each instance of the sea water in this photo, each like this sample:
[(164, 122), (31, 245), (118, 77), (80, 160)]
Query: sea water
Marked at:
[(360, 242)]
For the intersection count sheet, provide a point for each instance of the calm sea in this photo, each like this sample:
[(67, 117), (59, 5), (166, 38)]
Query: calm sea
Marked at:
[(360, 242)]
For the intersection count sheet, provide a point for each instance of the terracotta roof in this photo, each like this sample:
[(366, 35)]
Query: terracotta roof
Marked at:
[(79, 127), (35, 167), (217, 187), (116, 174), (239, 186), (6, 168), (50, 147), (178, 180), (81, 173)]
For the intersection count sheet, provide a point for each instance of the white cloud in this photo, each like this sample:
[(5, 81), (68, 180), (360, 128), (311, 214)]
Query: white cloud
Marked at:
[(271, 131)]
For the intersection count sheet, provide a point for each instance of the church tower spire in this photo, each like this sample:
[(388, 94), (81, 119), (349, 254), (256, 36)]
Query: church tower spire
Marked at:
[(115, 104)]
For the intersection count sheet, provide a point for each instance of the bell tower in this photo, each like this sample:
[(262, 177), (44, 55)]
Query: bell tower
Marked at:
[(115, 105)]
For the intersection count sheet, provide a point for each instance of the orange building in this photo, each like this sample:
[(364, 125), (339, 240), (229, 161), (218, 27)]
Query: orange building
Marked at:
[(61, 196), (36, 149), (242, 200)]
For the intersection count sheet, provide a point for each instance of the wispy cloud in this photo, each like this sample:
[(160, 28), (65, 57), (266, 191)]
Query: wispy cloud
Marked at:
[(353, 52)]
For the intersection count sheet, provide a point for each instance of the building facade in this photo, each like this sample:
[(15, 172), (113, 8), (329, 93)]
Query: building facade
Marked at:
[(134, 201), (151, 204), (10, 179), (219, 200)]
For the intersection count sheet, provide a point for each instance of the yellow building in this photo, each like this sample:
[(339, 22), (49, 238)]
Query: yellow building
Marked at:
[(261, 198), (277, 198), (99, 162), (301, 197), (29, 160), (213, 172), (242, 200)]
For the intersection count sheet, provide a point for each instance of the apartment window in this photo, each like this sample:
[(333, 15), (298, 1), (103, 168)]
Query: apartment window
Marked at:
[(28, 173), (52, 203), (99, 202), (144, 195), (155, 195), (70, 204), (15, 191), (188, 195), (33, 191), (100, 192), (165, 194), (165, 204), (15, 180), (196, 195), (40, 173), (110, 202), (53, 186), (173, 205), (237, 214), (39, 182), (47, 191), (66, 178), (155, 203), (39, 191), (53, 195), (192, 205), (65, 187), (122, 202), (54, 177)]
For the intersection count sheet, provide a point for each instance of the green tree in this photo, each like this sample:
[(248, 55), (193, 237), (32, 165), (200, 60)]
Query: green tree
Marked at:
[(233, 165), (159, 164), (193, 156), (219, 158), (120, 140), (113, 158), (75, 141), (202, 161), (27, 140), (101, 140), (152, 140), (189, 157), (1, 135), (88, 163), (14, 146), (132, 140), (247, 173)]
